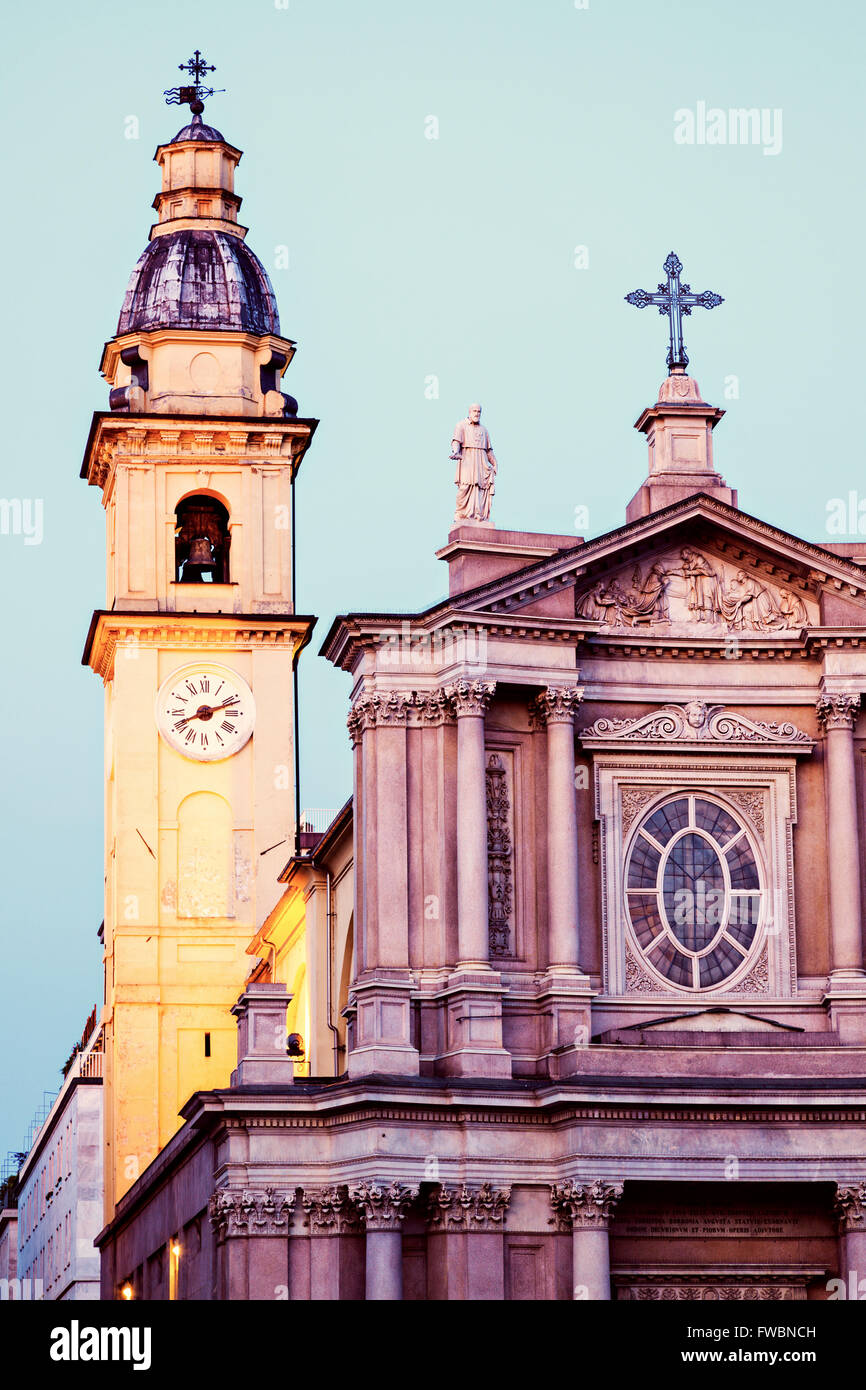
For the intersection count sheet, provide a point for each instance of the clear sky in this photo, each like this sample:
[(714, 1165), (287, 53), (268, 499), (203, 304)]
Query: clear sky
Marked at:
[(409, 258)]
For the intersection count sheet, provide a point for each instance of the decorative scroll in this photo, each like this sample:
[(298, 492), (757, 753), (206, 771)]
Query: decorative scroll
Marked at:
[(246, 1212), (696, 723), (500, 858), (637, 981), (752, 802), (469, 1209), (633, 801), (758, 979), (590, 1205)]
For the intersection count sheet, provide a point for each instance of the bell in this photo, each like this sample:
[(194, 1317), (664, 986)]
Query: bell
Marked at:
[(200, 552), (200, 565)]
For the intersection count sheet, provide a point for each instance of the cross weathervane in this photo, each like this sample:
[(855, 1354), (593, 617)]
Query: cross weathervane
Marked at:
[(195, 95), (675, 299)]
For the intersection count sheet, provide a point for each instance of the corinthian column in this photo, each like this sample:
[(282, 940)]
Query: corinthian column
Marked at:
[(384, 1210), (850, 1208), (555, 708), (473, 1005), (251, 1227), (586, 1209), (470, 701), (837, 712)]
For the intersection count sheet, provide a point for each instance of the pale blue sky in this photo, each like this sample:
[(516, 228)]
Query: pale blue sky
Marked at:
[(408, 257)]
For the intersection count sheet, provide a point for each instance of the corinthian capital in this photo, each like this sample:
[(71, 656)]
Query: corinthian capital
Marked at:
[(557, 704), (378, 711), (849, 1204), (470, 697), (837, 711), (331, 1212), (383, 1208), (249, 1212), (585, 1205), (467, 1208)]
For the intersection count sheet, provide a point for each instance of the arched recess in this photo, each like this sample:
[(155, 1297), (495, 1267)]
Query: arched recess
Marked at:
[(204, 856), (202, 538)]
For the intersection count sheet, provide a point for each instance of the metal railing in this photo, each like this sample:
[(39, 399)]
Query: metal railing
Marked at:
[(316, 822)]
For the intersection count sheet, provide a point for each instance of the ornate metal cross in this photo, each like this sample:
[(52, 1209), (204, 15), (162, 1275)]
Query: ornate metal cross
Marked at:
[(195, 95), (675, 299)]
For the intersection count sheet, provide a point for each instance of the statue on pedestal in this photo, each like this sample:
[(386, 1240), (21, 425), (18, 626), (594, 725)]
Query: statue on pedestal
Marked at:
[(476, 468)]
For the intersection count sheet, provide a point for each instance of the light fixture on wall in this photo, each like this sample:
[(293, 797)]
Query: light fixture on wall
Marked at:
[(295, 1047)]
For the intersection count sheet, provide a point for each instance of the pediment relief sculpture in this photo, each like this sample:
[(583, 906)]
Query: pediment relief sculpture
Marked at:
[(696, 722), (685, 588)]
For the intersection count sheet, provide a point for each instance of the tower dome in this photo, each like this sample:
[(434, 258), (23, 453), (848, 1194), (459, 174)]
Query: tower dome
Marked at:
[(200, 279), (199, 330), (197, 271)]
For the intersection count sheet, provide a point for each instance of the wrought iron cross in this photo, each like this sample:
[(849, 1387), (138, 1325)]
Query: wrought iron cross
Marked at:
[(195, 95), (675, 299)]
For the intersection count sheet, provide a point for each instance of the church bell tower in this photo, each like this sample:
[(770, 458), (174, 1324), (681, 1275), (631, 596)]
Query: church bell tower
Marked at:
[(196, 646)]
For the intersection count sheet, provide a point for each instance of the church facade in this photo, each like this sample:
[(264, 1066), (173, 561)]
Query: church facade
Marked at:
[(574, 986)]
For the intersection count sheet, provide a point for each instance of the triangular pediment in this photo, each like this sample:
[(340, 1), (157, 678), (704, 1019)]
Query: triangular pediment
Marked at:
[(698, 571), (700, 567)]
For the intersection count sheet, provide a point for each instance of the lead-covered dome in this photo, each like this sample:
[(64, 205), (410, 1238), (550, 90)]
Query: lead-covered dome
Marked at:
[(202, 279)]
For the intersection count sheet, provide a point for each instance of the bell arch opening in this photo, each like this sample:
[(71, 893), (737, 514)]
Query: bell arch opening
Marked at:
[(202, 539)]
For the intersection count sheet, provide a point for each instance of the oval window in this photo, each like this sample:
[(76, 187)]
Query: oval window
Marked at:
[(694, 891)]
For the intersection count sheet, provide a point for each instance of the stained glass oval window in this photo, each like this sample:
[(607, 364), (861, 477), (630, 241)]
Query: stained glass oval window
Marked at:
[(694, 891)]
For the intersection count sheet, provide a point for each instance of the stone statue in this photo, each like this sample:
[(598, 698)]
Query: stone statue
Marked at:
[(792, 609), (704, 593), (476, 468), (747, 603)]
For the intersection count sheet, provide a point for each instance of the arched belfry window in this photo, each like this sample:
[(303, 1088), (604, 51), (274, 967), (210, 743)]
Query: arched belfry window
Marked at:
[(201, 541)]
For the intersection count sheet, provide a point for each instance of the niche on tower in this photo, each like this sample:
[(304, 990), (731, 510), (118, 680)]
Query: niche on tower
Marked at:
[(201, 541)]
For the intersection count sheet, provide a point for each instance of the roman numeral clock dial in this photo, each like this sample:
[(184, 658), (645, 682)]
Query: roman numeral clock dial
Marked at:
[(205, 712)]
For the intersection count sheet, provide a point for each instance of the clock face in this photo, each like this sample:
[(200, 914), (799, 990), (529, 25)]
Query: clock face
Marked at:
[(205, 712)]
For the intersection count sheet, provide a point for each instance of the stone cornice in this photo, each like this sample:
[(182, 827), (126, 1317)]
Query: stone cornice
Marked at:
[(584, 1206), (250, 1212), (469, 1209), (203, 440), (353, 636), (695, 726), (814, 565), (193, 631), (809, 1102)]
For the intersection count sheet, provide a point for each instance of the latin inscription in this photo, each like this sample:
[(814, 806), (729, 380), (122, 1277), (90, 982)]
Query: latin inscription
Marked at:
[(708, 1223)]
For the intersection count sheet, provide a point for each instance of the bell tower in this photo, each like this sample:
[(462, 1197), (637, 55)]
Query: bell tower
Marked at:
[(197, 644)]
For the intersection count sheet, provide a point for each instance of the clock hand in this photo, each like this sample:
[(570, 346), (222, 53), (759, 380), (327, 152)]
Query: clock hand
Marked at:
[(211, 709)]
